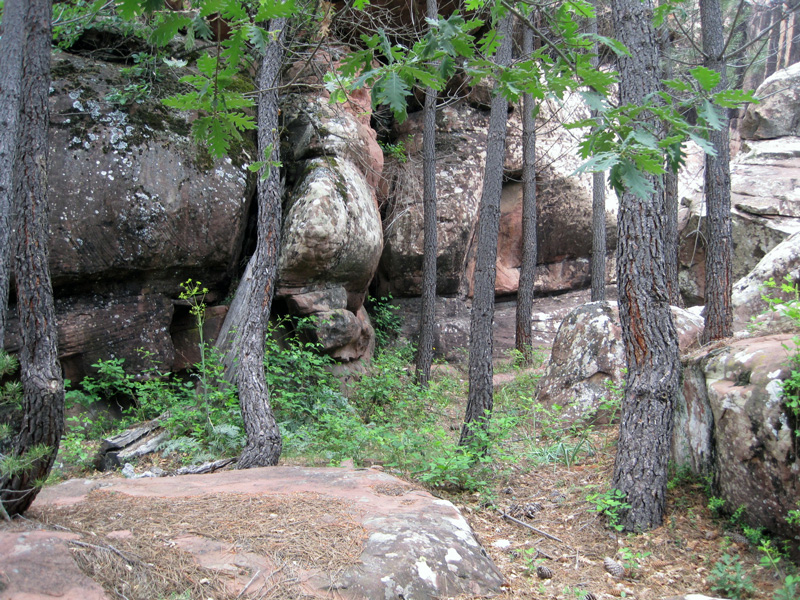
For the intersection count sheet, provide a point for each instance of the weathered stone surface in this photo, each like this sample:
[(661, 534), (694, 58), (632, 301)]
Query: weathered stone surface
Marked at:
[(332, 229), (131, 196), (417, 546), (564, 201), (101, 327), (778, 113), (36, 565), (765, 210), (451, 327), (747, 297), (732, 422), (588, 352)]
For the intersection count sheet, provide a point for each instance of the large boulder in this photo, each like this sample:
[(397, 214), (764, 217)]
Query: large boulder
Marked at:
[(564, 205), (136, 208), (778, 113), (588, 355), (332, 235), (132, 198), (388, 539), (748, 293), (765, 210), (732, 423)]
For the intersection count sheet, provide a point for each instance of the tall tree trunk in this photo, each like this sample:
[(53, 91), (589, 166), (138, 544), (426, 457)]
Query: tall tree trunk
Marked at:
[(428, 316), (719, 283), (598, 261), (527, 276), (794, 50), (11, 47), (264, 444), (670, 191), (481, 401), (774, 38), (649, 336), (42, 383)]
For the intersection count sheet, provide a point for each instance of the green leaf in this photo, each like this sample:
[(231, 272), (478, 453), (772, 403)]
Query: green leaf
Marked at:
[(707, 78), (598, 163), (272, 9), (677, 85), (392, 90), (703, 143), (710, 114), (645, 138), (446, 68), (615, 46), (734, 98), (164, 33), (625, 176)]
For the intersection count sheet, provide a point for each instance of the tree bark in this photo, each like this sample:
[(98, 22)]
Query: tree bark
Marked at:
[(430, 243), (264, 443), (481, 401), (649, 336), (527, 276), (11, 47), (719, 251), (774, 38), (670, 192), (794, 50), (598, 260), (40, 372)]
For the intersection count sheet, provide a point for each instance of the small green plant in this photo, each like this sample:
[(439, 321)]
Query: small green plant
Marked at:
[(716, 505), (610, 504), (771, 556), (396, 150), (790, 589), (385, 320), (793, 516), (632, 560), (728, 577)]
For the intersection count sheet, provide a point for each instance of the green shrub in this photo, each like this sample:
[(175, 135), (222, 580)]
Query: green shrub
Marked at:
[(727, 577)]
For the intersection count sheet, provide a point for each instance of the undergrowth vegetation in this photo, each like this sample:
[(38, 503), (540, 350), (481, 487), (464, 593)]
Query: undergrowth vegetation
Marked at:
[(376, 416)]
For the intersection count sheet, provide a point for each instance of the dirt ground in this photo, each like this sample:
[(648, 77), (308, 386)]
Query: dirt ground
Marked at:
[(676, 558)]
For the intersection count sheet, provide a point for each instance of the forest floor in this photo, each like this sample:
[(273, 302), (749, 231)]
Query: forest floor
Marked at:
[(694, 551), (558, 545)]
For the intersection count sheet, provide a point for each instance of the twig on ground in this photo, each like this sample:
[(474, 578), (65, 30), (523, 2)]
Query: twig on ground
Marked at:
[(531, 527)]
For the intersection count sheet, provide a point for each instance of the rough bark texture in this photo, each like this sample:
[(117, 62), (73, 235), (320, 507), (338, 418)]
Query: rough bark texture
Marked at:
[(774, 38), (794, 50), (649, 336), (430, 251), (43, 387), (598, 261), (11, 45), (481, 401), (527, 276), (670, 192), (719, 278), (264, 444)]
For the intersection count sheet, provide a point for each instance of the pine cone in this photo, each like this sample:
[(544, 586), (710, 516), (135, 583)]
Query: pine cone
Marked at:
[(589, 596), (613, 567), (514, 510), (543, 572), (531, 508)]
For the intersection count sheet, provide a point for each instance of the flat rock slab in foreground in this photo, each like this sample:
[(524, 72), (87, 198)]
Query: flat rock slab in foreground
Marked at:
[(404, 542)]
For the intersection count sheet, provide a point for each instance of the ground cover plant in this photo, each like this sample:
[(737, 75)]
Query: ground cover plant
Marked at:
[(539, 500)]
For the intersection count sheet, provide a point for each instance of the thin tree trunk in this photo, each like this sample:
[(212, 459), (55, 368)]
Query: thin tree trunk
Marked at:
[(428, 316), (719, 275), (774, 38), (11, 46), (43, 387), (670, 193), (527, 276), (794, 50), (264, 444), (481, 401), (649, 336), (598, 261)]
